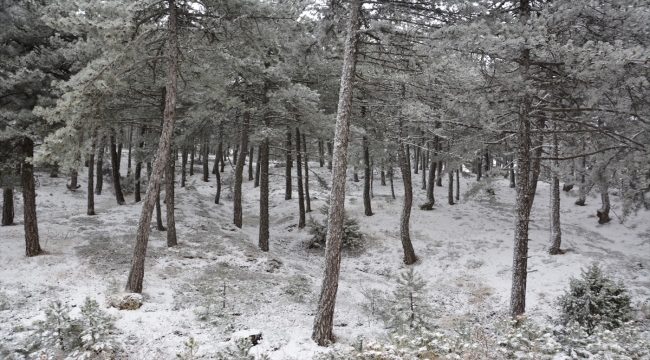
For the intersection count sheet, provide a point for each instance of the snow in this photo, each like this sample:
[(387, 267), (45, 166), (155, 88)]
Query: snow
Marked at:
[(464, 251)]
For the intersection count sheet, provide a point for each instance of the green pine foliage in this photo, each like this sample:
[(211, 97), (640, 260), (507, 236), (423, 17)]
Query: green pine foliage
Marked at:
[(595, 300), (352, 237), (58, 330)]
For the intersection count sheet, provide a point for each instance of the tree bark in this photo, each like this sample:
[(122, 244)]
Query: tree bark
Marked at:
[(7, 206), (511, 172), (287, 169), (206, 165), (250, 163), (119, 196), (100, 165), (184, 166), (382, 177), (306, 160), (324, 320), (431, 182), (603, 187), (239, 169), (301, 194), (330, 151), (192, 159), (256, 183), (218, 173), (169, 189), (366, 177), (321, 153), (392, 185), (556, 231), (32, 244), (159, 221), (582, 197), (451, 187), (405, 233), (90, 210), (138, 168), (74, 181), (128, 161), (136, 275), (457, 184), (263, 241)]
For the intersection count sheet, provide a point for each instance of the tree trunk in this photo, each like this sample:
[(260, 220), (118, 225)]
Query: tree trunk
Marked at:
[(486, 162), (324, 320), (235, 155), (263, 241), (439, 178), (90, 210), (115, 160), (366, 177), (218, 173), (74, 181), (128, 161), (206, 165), (136, 275), (423, 166), (405, 235), (250, 163), (382, 177), (582, 197), (457, 184), (306, 160), (479, 168), (7, 206), (192, 159), (392, 185), (54, 172), (431, 199), (355, 175), (301, 194), (603, 212), (321, 153), (169, 190), (451, 187), (184, 166), (408, 156), (330, 151), (257, 169), (511, 171), (32, 244), (138, 168), (556, 231), (239, 170), (416, 159), (287, 168), (100, 165)]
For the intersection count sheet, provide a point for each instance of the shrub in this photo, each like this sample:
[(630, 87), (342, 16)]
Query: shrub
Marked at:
[(299, 287), (595, 300), (352, 237)]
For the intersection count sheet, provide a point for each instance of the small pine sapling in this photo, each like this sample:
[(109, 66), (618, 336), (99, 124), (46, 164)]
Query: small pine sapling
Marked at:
[(299, 287), (409, 308), (595, 300), (58, 330), (191, 350), (96, 329), (352, 237)]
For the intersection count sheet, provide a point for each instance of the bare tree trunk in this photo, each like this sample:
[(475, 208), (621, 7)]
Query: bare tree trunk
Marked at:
[(74, 181), (138, 168), (355, 175), (287, 169), (32, 244), (511, 171), (169, 190), (7, 206), (223, 159), (324, 320), (556, 231), (431, 182), (100, 165), (159, 221), (405, 235), (263, 241), (184, 166), (486, 162), (366, 177), (423, 165), (301, 194), (330, 151), (218, 173), (479, 168), (451, 187), (136, 275), (119, 196), (582, 197), (306, 159), (250, 163), (128, 161), (416, 159), (239, 169), (91, 195), (321, 153), (392, 185), (457, 184), (382, 177), (235, 154), (192, 159), (603, 187), (206, 165), (256, 183)]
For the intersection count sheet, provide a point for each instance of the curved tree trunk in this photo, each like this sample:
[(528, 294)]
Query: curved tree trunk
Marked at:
[(74, 181), (7, 206), (32, 244), (218, 173), (405, 234), (169, 190), (263, 241), (301, 193), (239, 169), (306, 160), (136, 275), (366, 177), (119, 196), (324, 320)]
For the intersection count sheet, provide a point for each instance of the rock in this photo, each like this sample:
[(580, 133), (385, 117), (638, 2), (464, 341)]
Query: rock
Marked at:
[(253, 335), (126, 301)]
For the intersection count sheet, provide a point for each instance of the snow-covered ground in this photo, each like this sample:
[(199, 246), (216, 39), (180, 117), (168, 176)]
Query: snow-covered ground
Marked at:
[(464, 251)]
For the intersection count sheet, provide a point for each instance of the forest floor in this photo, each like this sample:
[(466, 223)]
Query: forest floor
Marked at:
[(217, 281)]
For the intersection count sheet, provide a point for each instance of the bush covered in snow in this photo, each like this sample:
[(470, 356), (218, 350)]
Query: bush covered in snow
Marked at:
[(352, 237), (595, 300)]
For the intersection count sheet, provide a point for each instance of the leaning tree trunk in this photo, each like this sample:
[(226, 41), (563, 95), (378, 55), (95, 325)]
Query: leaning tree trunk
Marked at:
[(287, 168), (367, 208), (7, 206), (324, 320), (90, 210), (306, 160), (169, 189), (138, 168), (100, 165), (301, 194), (119, 196), (263, 241), (239, 170), (32, 244), (556, 231), (136, 275), (218, 173), (405, 233)]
